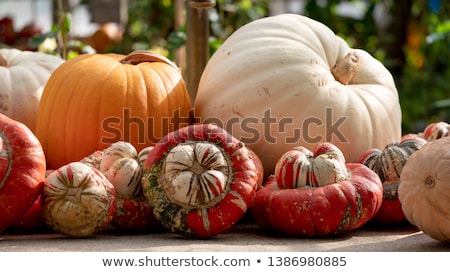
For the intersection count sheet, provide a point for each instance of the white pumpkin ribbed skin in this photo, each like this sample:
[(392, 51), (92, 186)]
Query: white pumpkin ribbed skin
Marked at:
[(22, 81), (424, 189), (280, 66)]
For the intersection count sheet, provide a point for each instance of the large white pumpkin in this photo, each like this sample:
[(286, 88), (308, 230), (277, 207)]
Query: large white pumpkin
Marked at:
[(287, 80), (23, 75)]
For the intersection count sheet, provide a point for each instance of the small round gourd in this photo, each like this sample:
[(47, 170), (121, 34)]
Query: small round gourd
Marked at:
[(200, 181), (115, 151), (118, 162), (436, 130), (78, 200), (125, 174), (143, 154), (388, 164), (317, 194)]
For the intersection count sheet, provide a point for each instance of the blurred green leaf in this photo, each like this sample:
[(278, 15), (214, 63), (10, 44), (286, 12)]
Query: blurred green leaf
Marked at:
[(177, 39)]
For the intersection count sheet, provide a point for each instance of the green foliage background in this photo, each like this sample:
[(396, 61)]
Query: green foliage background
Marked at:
[(414, 45)]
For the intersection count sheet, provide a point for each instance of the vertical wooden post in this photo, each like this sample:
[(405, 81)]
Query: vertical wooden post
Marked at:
[(197, 47)]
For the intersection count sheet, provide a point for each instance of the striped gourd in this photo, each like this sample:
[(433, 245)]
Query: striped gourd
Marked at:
[(436, 130), (200, 180), (317, 194), (143, 154), (125, 174), (93, 159), (119, 163), (116, 151), (78, 200), (300, 167), (388, 163)]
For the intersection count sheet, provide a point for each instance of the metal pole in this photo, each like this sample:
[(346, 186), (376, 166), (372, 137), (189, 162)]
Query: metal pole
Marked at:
[(197, 47)]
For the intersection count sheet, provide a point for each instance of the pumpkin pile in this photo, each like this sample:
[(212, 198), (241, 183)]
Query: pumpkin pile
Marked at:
[(289, 125)]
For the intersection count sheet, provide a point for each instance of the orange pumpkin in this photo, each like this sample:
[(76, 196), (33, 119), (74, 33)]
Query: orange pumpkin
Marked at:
[(94, 100)]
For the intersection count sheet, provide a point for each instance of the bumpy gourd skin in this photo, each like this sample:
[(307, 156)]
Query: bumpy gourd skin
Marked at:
[(78, 200), (286, 80), (388, 164), (22, 170), (320, 211), (200, 181), (424, 189), (317, 194)]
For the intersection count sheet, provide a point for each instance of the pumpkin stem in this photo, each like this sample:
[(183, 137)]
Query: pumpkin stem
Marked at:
[(345, 68), (2, 61), (140, 56), (73, 194), (429, 182)]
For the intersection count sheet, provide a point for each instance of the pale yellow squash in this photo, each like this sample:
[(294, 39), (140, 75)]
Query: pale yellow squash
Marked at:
[(424, 190)]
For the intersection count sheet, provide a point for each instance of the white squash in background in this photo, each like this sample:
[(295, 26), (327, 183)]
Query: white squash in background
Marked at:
[(424, 190), (23, 75)]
